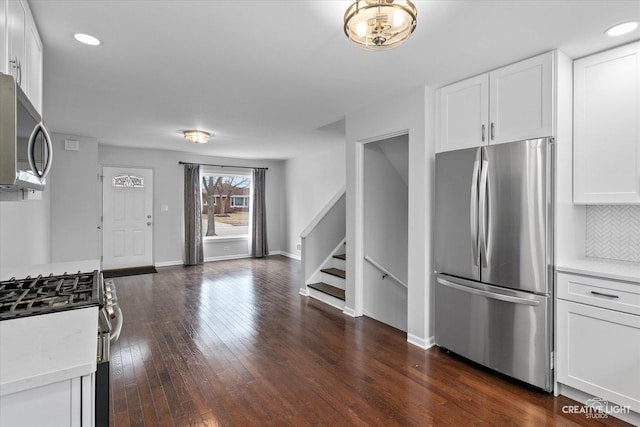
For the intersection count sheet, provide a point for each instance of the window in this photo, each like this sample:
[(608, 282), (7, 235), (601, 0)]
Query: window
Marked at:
[(239, 201), (225, 204)]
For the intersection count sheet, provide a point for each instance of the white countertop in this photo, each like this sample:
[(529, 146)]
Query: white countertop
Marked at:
[(605, 268), (44, 349), (22, 271)]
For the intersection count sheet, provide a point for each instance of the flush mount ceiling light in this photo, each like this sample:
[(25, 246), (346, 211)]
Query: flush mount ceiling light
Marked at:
[(380, 24), (620, 29), (196, 136), (86, 39)]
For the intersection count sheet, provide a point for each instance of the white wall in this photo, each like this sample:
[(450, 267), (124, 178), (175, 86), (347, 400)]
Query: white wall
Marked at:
[(25, 237), (74, 200), (415, 113), (385, 201), (168, 190), (311, 181)]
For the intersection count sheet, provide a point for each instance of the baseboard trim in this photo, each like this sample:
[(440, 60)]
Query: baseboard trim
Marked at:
[(168, 263), (421, 342), (304, 292), (227, 257), (349, 312), (287, 254)]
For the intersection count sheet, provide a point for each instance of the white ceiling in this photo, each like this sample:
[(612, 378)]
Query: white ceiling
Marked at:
[(271, 78)]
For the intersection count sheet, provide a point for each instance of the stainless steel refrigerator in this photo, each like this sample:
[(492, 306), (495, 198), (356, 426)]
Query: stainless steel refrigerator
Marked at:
[(494, 257)]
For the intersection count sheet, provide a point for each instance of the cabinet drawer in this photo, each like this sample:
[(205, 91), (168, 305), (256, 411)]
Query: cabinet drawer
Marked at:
[(611, 294)]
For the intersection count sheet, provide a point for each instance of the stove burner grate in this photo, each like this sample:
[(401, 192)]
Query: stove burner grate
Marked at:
[(39, 295)]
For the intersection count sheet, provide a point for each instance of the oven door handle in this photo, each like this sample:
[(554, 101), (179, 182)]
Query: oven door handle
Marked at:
[(115, 334)]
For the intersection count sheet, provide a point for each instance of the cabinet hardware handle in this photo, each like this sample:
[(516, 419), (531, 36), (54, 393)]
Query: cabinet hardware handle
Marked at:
[(483, 128), (16, 64), (604, 295), (492, 135)]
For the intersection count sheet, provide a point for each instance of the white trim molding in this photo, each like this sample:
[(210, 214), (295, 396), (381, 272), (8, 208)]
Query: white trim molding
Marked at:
[(287, 254), (421, 342), (349, 312), (226, 258), (168, 263)]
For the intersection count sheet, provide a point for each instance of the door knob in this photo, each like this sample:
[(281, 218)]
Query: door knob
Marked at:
[(149, 223)]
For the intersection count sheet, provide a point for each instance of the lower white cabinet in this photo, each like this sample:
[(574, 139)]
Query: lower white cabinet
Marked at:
[(598, 343), (67, 403)]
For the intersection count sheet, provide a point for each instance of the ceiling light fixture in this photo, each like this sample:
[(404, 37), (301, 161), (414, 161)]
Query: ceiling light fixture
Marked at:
[(380, 24), (196, 136), (86, 39), (620, 29)]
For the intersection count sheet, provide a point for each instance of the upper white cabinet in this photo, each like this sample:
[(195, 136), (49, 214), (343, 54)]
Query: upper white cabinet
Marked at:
[(21, 50), (607, 127), (464, 110), (512, 103)]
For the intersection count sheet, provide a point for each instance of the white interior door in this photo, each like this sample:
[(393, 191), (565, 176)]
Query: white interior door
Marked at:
[(127, 207)]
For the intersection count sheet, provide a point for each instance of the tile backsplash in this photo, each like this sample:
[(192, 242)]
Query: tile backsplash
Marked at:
[(613, 232)]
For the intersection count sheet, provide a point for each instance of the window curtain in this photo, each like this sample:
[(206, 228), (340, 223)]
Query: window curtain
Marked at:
[(259, 247), (193, 253)]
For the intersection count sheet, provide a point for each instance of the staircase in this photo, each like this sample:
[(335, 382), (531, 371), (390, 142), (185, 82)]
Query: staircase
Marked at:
[(328, 283)]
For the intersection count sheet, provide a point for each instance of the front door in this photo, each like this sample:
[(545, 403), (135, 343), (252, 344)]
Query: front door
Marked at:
[(127, 206)]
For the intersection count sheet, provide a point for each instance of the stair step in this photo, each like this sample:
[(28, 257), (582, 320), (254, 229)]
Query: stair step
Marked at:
[(341, 256), (328, 289), (335, 272)]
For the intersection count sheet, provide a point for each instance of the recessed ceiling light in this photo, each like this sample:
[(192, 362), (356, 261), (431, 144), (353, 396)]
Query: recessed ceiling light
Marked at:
[(620, 29), (87, 39)]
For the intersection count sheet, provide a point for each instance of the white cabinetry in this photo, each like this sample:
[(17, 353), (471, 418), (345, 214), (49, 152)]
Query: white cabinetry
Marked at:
[(464, 111), (21, 50), (511, 103), (607, 127), (66, 403), (598, 335)]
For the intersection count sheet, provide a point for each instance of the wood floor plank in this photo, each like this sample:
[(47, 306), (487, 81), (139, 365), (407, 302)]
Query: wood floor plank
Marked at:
[(232, 343)]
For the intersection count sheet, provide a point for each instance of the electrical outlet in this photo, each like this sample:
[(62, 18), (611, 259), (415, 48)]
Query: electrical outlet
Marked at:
[(299, 246)]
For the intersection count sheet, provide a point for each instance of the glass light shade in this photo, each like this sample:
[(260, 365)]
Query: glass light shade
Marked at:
[(380, 24), (196, 136), (620, 29), (86, 39)]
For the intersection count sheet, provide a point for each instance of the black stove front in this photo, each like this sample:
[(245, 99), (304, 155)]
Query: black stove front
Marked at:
[(40, 295)]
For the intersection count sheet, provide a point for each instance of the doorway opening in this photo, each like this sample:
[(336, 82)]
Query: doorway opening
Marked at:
[(385, 230)]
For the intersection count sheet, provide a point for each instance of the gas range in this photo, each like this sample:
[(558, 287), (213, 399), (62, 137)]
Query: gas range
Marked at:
[(45, 294)]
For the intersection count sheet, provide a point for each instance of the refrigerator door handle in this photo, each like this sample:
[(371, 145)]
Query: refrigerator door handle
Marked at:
[(487, 294), (473, 210), (483, 212)]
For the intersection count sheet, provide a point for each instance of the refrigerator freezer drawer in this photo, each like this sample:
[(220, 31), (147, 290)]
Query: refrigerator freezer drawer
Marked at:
[(504, 330)]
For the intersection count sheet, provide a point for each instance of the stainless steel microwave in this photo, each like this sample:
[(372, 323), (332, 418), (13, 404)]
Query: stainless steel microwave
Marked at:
[(25, 145)]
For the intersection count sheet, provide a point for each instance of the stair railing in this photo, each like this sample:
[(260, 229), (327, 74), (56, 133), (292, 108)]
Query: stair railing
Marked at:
[(385, 273)]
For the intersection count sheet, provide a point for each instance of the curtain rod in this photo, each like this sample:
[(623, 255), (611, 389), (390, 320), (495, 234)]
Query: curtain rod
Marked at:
[(221, 166)]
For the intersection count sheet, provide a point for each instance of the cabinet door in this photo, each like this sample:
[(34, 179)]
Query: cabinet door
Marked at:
[(16, 15), (598, 352), (33, 71), (4, 57), (463, 114), (521, 100), (606, 127)]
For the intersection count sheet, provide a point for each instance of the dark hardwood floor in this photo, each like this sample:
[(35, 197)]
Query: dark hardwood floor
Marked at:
[(232, 343)]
